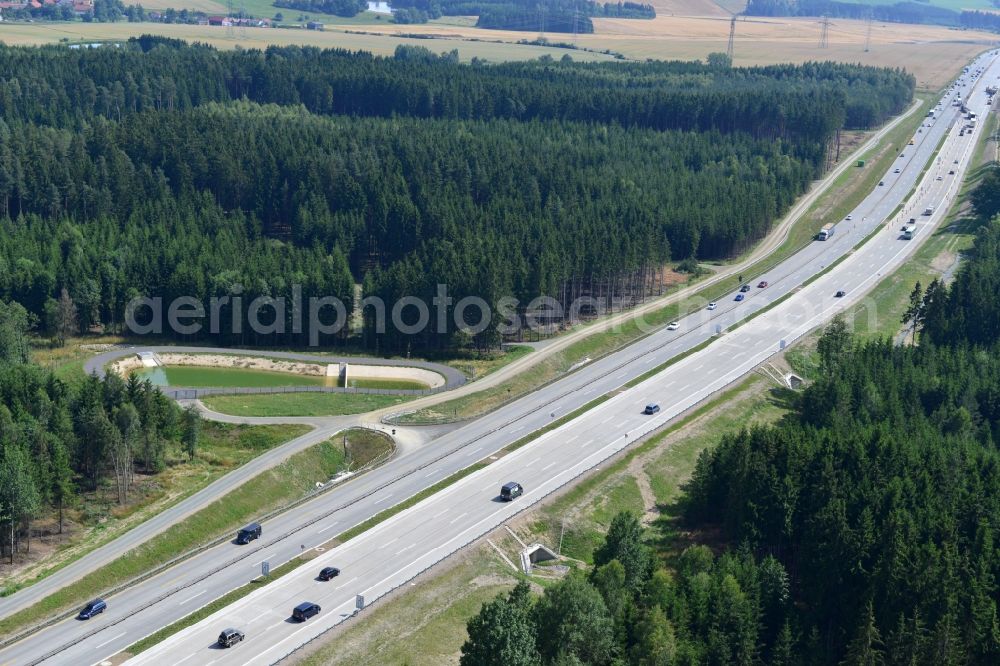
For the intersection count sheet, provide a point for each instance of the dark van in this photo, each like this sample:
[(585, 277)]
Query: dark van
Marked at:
[(248, 533), (230, 637), (92, 608), (510, 491), (304, 611)]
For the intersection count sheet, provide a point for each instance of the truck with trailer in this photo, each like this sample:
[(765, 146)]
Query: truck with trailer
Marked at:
[(826, 231)]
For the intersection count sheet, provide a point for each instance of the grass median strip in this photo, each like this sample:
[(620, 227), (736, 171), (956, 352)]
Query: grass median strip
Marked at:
[(580, 489), (462, 473), (270, 490), (846, 192), (383, 516), (212, 607)]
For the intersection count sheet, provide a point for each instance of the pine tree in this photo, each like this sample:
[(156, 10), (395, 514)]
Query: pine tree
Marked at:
[(913, 316), (624, 543), (866, 648), (502, 634), (191, 428)]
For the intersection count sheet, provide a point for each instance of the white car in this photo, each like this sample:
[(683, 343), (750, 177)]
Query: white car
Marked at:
[(713, 305), (849, 218), (673, 326)]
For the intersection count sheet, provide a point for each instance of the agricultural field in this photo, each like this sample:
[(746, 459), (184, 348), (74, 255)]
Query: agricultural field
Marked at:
[(933, 54), (260, 38), (683, 30)]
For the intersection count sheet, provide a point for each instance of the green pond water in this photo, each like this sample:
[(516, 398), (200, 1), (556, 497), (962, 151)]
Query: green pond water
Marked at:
[(197, 377), (191, 376)]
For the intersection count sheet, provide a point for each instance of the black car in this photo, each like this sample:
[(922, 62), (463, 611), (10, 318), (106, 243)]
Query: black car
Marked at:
[(304, 611), (841, 294), (651, 408), (92, 608), (248, 533), (329, 572), (511, 490), (230, 637), (745, 288)]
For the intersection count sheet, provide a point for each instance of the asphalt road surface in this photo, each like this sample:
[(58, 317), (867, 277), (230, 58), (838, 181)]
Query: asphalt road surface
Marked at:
[(395, 551), (405, 436)]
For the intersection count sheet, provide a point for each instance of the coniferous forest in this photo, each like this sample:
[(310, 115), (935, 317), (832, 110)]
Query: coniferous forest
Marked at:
[(161, 169), (858, 531)]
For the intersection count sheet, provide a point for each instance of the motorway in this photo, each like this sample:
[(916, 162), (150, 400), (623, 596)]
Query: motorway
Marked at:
[(392, 553), (37, 591)]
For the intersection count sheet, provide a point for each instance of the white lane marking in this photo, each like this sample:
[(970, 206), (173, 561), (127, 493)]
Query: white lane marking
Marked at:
[(400, 552), (328, 527), (549, 465), (386, 498), (97, 647), (192, 597), (458, 518), (571, 439), (189, 656), (431, 473), (607, 419)]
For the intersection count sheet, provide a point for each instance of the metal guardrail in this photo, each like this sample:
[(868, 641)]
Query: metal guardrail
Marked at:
[(631, 442), (631, 439), (311, 494)]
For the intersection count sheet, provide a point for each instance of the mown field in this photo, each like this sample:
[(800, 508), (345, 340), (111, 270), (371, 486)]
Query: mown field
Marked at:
[(41, 33), (933, 54)]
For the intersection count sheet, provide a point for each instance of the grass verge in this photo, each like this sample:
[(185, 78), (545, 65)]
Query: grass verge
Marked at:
[(425, 625), (264, 493), (382, 516), (211, 607), (301, 404), (97, 518), (844, 194)]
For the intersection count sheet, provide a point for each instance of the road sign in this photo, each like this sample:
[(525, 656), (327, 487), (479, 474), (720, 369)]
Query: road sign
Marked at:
[(265, 568), (359, 602)]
